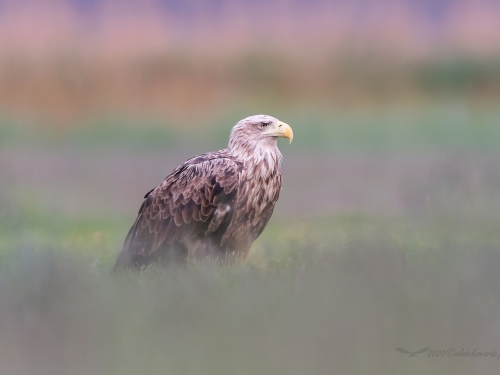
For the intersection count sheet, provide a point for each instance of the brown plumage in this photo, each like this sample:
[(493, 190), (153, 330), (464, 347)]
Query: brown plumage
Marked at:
[(215, 204)]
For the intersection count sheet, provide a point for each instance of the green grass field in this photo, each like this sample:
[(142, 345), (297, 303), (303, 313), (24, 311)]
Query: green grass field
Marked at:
[(386, 235)]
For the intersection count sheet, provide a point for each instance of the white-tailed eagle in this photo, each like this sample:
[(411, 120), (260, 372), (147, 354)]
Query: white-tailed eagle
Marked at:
[(215, 204)]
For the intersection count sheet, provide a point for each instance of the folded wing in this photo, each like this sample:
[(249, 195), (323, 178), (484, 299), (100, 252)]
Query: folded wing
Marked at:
[(189, 204)]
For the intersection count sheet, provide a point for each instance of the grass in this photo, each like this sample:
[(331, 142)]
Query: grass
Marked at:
[(294, 308), (394, 242)]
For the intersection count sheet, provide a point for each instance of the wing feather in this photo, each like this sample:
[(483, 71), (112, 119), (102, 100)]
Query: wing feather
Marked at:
[(183, 204)]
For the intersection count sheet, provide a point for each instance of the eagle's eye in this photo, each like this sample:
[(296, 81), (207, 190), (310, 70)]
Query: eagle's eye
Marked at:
[(263, 124)]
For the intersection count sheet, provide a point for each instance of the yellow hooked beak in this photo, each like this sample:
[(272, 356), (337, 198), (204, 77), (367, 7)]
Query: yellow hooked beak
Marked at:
[(281, 130)]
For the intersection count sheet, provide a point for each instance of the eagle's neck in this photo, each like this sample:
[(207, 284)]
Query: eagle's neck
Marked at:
[(261, 158)]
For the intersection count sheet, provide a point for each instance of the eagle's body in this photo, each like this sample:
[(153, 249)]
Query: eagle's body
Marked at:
[(215, 204)]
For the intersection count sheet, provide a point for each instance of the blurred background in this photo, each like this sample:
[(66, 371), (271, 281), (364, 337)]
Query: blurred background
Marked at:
[(67, 61), (394, 174)]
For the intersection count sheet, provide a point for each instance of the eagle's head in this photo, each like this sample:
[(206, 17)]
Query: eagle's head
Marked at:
[(256, 135)]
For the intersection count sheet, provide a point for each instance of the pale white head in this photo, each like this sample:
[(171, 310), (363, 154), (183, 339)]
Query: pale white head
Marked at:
[(258, 131)]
